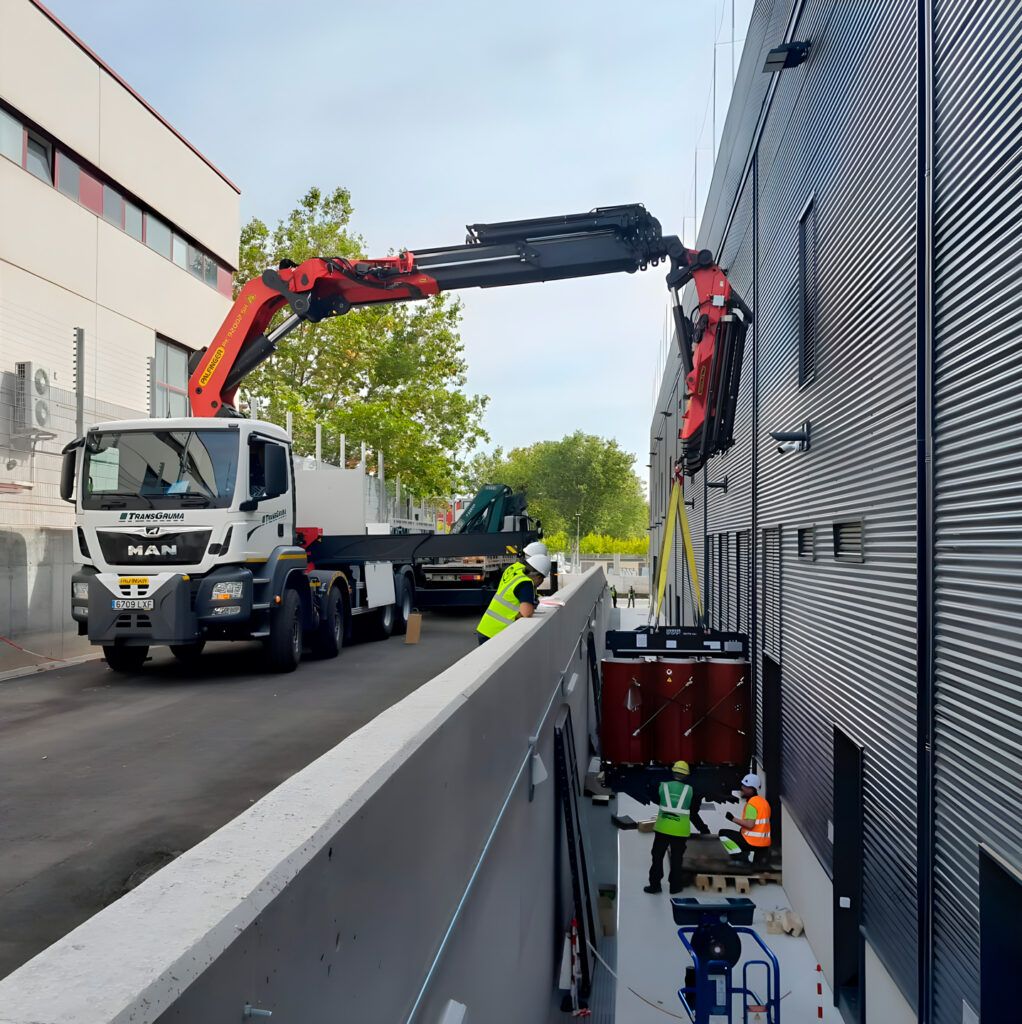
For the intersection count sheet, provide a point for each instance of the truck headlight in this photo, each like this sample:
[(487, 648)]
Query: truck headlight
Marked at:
[(80, 591), (227, 591), (223, 610)]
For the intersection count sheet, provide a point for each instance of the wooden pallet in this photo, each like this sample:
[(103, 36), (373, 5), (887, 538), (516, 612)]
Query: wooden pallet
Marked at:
[(742, 883)]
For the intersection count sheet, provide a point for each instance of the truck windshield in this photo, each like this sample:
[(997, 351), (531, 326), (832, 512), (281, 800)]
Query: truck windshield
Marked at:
[(135, 469)]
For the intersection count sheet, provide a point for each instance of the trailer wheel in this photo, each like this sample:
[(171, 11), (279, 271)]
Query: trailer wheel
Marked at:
[(125, 659), (381, 622), (403, 601), (188, 654), (329, 638), (284, 644)]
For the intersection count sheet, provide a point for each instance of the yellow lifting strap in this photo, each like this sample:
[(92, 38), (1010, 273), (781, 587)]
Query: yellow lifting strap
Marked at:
[(676, 511)]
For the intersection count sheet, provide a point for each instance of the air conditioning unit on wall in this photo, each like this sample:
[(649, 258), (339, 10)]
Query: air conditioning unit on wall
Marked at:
[(33, 407)]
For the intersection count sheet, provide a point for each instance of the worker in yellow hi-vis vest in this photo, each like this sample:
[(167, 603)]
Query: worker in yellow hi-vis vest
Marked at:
[(515, 597), (672, 828)]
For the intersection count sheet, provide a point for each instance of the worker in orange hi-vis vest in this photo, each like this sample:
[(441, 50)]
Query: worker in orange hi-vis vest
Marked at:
[(753, 832)]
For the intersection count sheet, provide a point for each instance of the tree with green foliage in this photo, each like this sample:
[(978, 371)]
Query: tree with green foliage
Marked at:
[(392, 376), (581, 474)]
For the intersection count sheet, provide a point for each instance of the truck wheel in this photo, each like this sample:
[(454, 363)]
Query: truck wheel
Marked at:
[(284, 644), (381, 623), (402, 604), (125, 659), (329, 638), (188, 654)]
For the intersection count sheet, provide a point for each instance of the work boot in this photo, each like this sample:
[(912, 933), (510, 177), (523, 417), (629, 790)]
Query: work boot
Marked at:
[(653, 889)]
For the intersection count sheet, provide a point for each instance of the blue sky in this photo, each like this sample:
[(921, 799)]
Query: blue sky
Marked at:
[(436, 115)]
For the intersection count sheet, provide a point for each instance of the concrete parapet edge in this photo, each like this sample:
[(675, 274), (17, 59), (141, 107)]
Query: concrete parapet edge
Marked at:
[(134, 959)]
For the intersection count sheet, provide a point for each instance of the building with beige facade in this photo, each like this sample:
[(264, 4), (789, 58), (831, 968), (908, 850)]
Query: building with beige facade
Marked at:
[(117, 244)]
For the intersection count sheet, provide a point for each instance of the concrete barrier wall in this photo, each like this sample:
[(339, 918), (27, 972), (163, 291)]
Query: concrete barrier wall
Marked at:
[(330, 898)]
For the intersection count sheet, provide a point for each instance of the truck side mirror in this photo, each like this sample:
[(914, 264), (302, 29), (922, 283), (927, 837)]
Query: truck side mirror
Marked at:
[(67, 474), (276, 470)]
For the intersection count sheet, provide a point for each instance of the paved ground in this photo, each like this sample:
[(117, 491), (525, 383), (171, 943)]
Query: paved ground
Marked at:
[(106, 777)]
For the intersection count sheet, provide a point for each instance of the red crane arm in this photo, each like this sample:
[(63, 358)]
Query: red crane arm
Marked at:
[(609, 240)]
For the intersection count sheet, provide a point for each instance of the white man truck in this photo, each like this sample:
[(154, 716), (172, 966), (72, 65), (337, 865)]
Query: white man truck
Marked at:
[(187, 531), (193, 529)]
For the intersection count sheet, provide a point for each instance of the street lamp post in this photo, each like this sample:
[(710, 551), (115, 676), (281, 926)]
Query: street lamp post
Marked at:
[(578, 550)]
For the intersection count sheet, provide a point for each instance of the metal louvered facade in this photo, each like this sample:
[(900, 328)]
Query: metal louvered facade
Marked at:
[(977, 512), (882, 568)]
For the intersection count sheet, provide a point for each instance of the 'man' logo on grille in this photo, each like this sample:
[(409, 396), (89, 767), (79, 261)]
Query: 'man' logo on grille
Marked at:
[(152, 551)]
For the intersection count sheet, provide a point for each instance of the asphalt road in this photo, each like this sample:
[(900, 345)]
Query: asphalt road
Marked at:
[(105, 778)]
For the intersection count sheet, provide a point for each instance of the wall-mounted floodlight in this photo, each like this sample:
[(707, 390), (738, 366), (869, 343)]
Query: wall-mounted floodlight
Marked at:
[(792, 440), (787, 55)]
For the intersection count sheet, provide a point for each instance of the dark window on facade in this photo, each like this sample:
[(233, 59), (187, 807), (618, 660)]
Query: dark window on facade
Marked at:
[(742, 580), (771, 609), (1000, 904), (807, 543), (195, 261), (169, 392), (848, 541), (807, 294), (157, 235), (133, 220), (12, 137), (113, 206), (69, 176), (39, 158)]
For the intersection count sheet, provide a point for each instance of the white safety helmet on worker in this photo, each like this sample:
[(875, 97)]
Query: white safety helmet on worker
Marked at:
[(539, 563), (537, 547), (751, 780)]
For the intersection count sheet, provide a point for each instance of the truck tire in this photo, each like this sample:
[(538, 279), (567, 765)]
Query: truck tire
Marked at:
[(403, 601), (125, 659), (284, 644), (329, 638), (381, 622), (188, 654)]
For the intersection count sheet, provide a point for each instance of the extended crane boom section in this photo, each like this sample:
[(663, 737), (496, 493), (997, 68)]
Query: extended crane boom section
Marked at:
[(605, 241)]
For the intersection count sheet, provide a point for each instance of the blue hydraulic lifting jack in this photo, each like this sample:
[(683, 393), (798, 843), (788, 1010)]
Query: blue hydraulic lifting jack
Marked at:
[(712, 935)]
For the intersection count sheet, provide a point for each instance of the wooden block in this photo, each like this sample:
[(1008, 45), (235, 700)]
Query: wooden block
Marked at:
[(414, 629), (742, 886), (719, 883), (773, 922), (703, 883), (792, 923), (647, 826)]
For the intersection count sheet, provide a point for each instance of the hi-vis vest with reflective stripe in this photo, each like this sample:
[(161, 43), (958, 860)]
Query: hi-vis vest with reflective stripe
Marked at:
[(515, 568), (675, 801), (503, 609), (759, 834)]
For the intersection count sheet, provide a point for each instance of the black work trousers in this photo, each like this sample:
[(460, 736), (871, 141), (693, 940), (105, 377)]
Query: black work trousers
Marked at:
[(760, 854), (661, 844)]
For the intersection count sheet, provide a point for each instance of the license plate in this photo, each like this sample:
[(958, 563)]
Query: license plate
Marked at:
[(132, 604)]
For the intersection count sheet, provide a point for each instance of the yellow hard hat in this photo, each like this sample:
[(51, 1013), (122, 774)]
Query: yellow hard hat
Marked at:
[(680, 768)]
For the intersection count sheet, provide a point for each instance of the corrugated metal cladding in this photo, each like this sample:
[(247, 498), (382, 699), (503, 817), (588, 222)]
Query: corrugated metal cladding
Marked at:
[(839, 137), (978, 473)]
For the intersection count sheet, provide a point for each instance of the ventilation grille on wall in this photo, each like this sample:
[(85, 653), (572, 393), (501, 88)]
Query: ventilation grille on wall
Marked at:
[(848, 541), (807, 543)]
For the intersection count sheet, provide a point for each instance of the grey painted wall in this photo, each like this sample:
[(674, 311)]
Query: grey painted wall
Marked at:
[(329, 898)]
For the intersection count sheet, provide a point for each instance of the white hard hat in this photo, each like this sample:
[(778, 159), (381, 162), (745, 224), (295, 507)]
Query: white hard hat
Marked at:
[(539, 562), (752, 781), (537, 547)]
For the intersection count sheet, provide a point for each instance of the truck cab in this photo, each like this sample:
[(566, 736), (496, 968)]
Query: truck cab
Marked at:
[(186, 532)]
